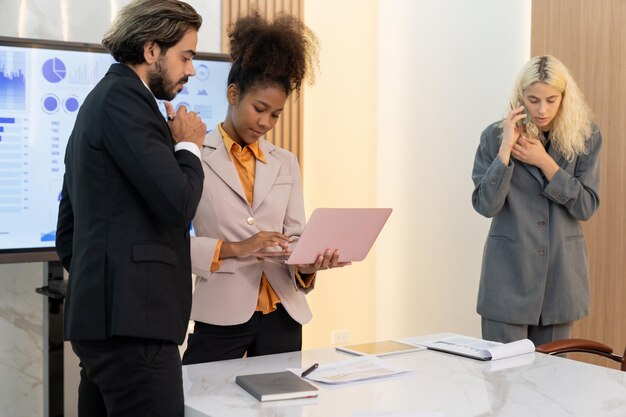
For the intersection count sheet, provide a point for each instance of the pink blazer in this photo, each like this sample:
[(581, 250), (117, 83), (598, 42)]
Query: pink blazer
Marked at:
[(229, 295)]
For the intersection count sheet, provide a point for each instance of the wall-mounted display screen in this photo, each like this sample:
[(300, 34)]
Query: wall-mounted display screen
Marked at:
[(42, 86)]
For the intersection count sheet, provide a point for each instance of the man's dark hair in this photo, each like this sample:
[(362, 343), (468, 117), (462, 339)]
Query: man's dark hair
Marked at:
[(163, 21)]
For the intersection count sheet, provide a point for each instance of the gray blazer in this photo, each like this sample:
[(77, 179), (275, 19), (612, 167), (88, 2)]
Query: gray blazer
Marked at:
[(535, 258)]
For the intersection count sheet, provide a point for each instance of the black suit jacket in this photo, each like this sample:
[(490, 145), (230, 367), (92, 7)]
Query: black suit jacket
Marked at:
[(123, 226)]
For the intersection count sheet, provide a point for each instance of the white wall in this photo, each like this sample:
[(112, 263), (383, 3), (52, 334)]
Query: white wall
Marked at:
[(340, 156), (413, 88), (446, 68)]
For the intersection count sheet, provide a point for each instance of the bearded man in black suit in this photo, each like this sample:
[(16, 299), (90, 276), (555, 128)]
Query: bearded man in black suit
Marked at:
[(131, 187)]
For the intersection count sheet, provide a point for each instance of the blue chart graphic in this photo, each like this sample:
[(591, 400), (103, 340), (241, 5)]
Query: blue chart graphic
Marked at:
[(54, 70), (48, 237), (71, 104), (12, 81), (5, 120), (50, 103)]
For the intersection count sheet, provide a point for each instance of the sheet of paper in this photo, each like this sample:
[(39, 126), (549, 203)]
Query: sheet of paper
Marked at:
[(353, 369), (478, 348), (464, 345), (507, 350)]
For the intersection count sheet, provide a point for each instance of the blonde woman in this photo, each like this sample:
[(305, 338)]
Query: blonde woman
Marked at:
[(536, 174)]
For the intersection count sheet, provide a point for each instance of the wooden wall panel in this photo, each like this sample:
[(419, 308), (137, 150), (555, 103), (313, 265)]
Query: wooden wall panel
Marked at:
[(288, 131), (590, 38)]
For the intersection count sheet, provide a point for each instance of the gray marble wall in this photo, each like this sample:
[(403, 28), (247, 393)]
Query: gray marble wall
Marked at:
[(21, 309), (21, 340)]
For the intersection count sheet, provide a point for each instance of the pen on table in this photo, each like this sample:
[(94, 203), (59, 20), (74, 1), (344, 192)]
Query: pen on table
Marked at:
[(310, 369)]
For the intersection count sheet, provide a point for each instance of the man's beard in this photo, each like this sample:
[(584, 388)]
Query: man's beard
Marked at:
[(160, 84)]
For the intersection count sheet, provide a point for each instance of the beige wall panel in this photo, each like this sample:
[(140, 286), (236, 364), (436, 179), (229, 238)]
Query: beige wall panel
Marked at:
[(590, 38)]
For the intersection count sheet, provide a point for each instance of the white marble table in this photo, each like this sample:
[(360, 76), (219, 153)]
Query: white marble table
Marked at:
[(446, 385)]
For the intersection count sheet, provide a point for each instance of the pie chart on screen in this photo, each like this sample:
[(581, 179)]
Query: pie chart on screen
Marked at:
[(54, 70)]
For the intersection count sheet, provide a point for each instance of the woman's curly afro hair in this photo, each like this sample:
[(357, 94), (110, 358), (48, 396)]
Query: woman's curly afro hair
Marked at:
[(283, 52)]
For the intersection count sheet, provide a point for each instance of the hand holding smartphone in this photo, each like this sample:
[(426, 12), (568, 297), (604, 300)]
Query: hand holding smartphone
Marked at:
[(513, 128), (522, 121)]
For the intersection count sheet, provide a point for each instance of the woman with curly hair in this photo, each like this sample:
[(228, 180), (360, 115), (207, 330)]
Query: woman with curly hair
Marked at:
[(537, 174), (252, 199)]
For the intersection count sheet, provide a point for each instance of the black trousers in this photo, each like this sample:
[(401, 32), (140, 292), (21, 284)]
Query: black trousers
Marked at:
[(124, 376), (275, 332)]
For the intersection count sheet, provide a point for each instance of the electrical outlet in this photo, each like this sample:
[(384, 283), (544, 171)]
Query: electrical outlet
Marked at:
[(340, 337)]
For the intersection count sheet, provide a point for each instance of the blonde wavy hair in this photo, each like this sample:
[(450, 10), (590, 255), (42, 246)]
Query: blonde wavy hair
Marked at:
[(572, 124)]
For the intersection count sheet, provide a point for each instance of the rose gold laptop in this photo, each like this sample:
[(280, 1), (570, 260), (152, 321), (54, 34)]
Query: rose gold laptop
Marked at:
[(351, 231)]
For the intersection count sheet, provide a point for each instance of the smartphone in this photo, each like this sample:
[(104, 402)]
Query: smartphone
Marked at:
[(522, 122)]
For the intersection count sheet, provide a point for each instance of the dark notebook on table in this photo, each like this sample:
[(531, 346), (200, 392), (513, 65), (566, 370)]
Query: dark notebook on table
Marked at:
[(276, 386)]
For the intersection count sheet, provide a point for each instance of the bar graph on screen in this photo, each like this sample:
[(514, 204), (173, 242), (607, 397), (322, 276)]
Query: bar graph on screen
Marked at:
[(12, 80), (42, 86)]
